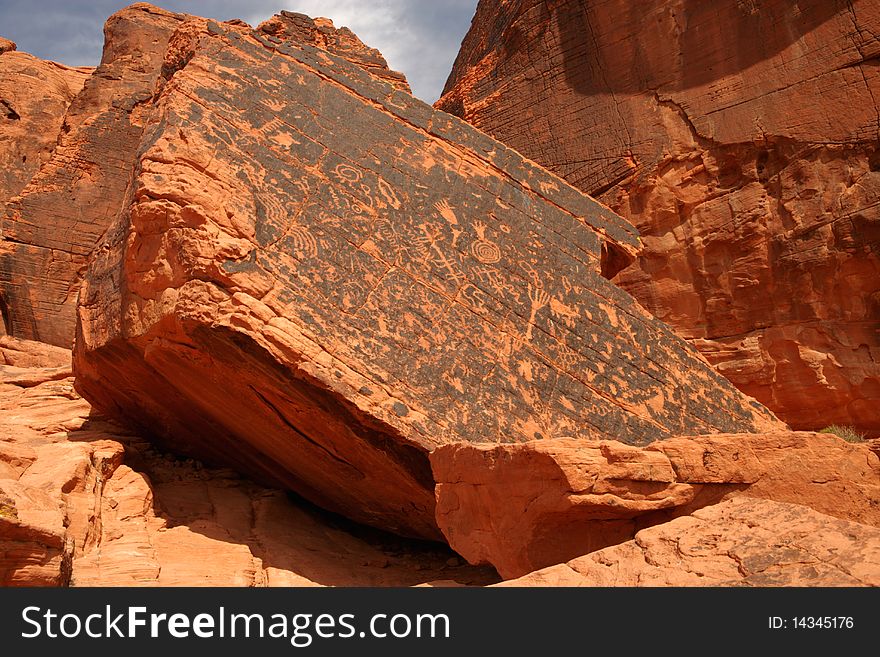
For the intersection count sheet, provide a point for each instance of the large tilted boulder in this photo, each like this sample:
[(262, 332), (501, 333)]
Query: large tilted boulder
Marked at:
[(526, 506), (318, 279), (50, 231), (740, 542), (741, 138)]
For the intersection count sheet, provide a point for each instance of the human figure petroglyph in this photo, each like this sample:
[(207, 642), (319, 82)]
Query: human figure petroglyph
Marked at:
[(499, 284), (428, 241), (448, 213)]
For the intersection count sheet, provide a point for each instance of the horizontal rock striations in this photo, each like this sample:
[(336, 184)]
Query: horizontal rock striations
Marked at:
[(741, 139), (51, 229), (34, 96), (318, 279)]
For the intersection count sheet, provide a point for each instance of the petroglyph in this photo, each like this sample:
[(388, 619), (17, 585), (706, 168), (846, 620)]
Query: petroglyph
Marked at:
[(380, 246), (539, 298), (483, 249)]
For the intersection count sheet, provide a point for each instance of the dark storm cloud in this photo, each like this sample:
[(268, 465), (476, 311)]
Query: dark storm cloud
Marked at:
[(418, 37)]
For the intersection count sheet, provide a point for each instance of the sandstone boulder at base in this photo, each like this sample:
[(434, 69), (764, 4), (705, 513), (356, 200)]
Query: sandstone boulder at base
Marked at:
[(84, 503), (527, 506), (317, 279), (741, 138), (740, 542)]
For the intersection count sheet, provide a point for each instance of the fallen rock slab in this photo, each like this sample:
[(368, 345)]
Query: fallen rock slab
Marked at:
[(523, 507), (740, 542), (85, 503), (317, 279), (741, 139)]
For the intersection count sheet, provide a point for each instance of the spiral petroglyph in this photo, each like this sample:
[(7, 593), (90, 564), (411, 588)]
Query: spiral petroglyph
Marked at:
[(484, 250), (303, 242), (347, 173)]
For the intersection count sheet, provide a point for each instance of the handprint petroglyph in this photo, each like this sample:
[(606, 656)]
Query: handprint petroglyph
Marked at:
[(539, 298)]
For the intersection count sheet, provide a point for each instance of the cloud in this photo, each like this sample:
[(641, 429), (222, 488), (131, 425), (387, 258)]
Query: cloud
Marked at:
[(419, 38)]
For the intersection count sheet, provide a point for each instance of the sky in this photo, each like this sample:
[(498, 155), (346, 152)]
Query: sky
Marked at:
[(419, 38)]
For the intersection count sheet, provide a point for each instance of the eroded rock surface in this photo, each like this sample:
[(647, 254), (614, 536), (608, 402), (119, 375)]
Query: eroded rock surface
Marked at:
[(741, 139), (61, 214), (317, 279), (84, 503), (527, 506), (740, 542), (320, 32), (34, 96)]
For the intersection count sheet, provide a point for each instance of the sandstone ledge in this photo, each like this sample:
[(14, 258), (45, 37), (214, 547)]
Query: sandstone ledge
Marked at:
[(523, 507), (740, 542)]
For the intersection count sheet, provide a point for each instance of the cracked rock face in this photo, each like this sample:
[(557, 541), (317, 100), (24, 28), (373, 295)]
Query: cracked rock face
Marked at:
[(70, 194), (34, 96), (527, 506), (741, 139), (740, 542), (317, 279), (52, 227)]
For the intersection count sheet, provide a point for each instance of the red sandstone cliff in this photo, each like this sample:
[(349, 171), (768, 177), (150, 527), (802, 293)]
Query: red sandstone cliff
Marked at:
[(356, 296), (741, 139)]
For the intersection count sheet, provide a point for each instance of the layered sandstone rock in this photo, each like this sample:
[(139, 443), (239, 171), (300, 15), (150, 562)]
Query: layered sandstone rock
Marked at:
[(527, 506), (741, 139), (34, 95), (51, 229), (317, 279), (321, 33), (741, 542), (84, 503)]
